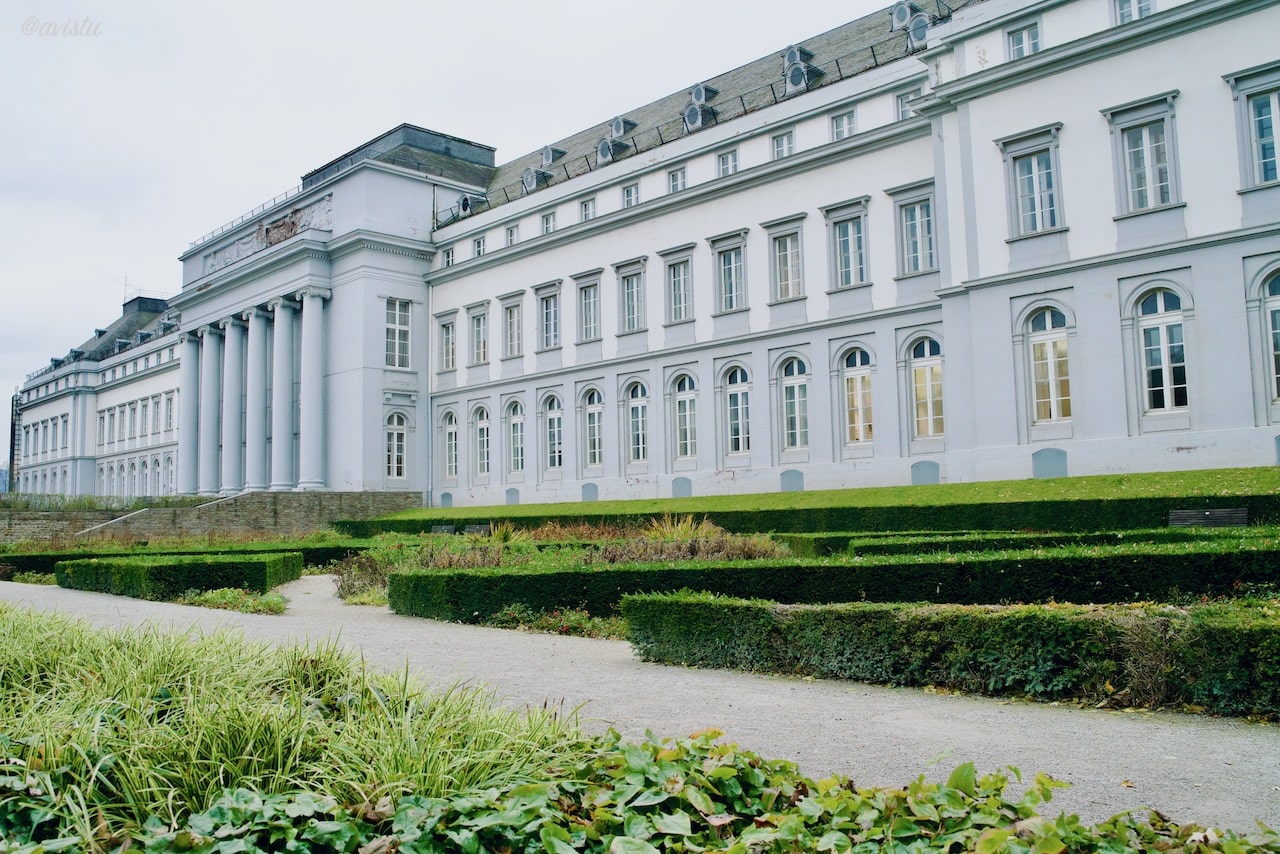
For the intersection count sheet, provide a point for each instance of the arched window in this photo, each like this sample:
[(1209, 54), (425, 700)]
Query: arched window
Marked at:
[(1164, 358), (686, 401), (397, 432), (450, 429), (737, 411), (144, 479), (593, 428), (156, 486), (482, 440), (102, 481), (515, 437), (1050, 379), (926, 388), (1273, 319), (795, 404), (553, 416), (131, 485), (637, 423), (857, 396), (168, 475)]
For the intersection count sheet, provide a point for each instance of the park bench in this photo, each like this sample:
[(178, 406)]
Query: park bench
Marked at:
[(1220, 518)]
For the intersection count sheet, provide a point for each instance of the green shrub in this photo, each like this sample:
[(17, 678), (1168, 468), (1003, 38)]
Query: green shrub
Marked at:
[(1221, 657), (166, 577)]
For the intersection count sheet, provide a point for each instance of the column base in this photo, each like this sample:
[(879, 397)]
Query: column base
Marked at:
[(229, 491), (254, 487), (310, 486), (280, 487)]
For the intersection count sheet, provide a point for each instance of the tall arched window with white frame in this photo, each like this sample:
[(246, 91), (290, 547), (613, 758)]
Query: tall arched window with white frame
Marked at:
[(553, 419), (1164, 357), (482, 437), (515, 437), (737, 404), (397, 431), (1273, 327), (450, 430), (593, 428), (1050, 373), (856, 375), (795, 404), (686, 412), (637, 423), (926, 389)]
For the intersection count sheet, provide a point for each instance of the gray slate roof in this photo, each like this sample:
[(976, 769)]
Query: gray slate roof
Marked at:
[(843, 52)]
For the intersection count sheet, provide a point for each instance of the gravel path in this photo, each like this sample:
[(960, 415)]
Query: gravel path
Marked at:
[(1221, 772)]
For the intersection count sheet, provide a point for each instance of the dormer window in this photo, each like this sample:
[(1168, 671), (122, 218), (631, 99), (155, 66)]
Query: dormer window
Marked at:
[(550, 155), (797, 73)]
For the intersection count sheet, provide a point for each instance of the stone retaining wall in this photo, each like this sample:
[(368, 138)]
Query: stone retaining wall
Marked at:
[(276, 513)]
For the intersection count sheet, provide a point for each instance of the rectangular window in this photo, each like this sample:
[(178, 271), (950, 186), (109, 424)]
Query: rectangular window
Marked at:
[(479, 339), (512, 340), (120, 425), (842, 126), (786, 267), (633, 302), (548, 222), (1131, 10), (155, 415), (795, 416), (133, 420), (1024, 41), (631, 195), (915, 225), (1037, 195), (679, 292), (477, 247), (66, 432), (587, 209), (903, 100), (1263, 108), (516, 432), (168, 412), (550, 311), (513, 235), (142, 416), (857, 403), (589, 312), (595, 437), (102, 432), (397, 333), (637, 432), (448, 347), (732, 284), (1146, 166), (448, 257), (555, 439), (1165, 363), (677, 180), (784, 145), (726, 163), (1050, 379), (850, 255), (686, 427), (926, 377)]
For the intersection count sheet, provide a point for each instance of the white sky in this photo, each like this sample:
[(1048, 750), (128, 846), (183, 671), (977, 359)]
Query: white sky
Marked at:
[(163, 120)]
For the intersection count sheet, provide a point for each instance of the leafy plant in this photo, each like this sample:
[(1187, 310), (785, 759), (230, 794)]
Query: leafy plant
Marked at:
[(566, 621), (235, 599)]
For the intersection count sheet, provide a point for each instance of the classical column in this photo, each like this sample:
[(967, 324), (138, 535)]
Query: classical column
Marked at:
[(188, 413), (311, 393), (255, 402), (282, 478), (210, 397), (232, 400)]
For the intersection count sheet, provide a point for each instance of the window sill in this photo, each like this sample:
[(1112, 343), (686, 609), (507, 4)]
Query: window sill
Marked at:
[(731, 311), (786, 300), (483, 364), (844, 289), (738, 460), (671, 323), (1270, 185), (446, 371), (858, 450), (510, 358), (1150, 210), (595, 340), (1032, 235), (630, 332), (1051, 431), (555, 349), (916, 274)]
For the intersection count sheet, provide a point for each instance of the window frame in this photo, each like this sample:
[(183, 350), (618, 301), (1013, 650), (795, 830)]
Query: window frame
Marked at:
[(842, 214), (786, 275), (857, 407), (934, 413), (549, 316), (793, 404), (632, 299), (513, 234), (631, 195), (844, 124), (737, 411), (1012, 34), (552, 411), (448, 337), (684, 395), (677, 180), (1057, 367), (397, 435), (902, 99), (548, 221), (589, 317), (514, 416), (635, 397), (398, 333), (912, 197), (478, 325), (1128, 11), (592, 428), (1015, 149), (1135, 115), (482, 432), (731, 294), (1247, 84), (478, 246), (782, 145), (512, 326), (726, 163), (449, 445), (587, 209), (678, 280), (1164, 321)]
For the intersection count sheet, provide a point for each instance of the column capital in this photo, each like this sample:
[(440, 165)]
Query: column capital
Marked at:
[(208, 329), (251, 313), (228, 322), (280, 302), (313, 291)]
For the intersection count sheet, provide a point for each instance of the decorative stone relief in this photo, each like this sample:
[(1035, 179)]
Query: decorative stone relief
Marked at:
[(318, 214)]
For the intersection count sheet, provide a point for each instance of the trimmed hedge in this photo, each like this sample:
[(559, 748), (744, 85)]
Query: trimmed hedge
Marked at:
[(1060, 515), (46, 562), (165, 577), (1120, 575), (908, 542), (1222, 658)]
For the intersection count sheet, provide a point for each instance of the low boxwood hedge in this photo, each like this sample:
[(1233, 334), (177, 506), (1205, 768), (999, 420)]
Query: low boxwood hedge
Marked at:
[(1120, 574), (1220, 657), (46, 562), (862, 543), (164, 577)]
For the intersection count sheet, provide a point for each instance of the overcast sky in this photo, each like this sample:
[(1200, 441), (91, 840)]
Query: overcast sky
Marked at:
[(131, 129)]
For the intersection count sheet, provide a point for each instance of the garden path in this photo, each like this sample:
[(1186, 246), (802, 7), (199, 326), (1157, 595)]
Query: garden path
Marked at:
[(1224, 773)]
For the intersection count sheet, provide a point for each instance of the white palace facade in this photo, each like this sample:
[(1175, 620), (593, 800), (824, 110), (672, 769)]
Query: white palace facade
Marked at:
[(995, 239)]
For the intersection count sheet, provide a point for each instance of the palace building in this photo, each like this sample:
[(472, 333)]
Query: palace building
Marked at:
[(994, 239)]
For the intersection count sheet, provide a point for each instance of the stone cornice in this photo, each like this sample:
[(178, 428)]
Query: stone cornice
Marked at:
[(307, 246), (360, 238), (876, 139)]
